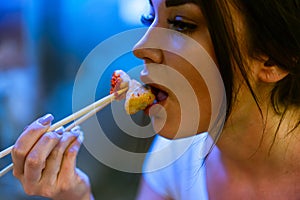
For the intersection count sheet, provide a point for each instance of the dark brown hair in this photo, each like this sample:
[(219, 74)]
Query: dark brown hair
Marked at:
[(273, 31)]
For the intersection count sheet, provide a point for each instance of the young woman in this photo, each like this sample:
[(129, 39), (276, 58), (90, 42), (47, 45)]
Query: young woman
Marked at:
[(256, 46)]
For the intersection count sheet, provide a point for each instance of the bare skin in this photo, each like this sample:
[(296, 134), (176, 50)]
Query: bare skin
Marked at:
[(247, 163), (45, 163)]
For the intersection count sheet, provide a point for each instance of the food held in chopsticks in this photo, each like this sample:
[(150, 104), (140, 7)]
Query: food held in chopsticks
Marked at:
[(137, 97), (80, 116), (119, 80)]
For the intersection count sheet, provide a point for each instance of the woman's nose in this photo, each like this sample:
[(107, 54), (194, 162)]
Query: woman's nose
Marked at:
[(148, 48)]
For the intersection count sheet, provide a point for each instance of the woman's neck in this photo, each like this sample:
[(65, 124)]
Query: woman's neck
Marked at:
[(252, 136), (257, 154)]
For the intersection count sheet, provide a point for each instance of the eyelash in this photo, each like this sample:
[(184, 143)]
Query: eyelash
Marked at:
[(175, 24), (181, 26)]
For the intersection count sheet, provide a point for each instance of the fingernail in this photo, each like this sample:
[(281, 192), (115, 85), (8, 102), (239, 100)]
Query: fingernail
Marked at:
[(81, 137), (78, 133), (75, 129), (46, 119), (60, 130)]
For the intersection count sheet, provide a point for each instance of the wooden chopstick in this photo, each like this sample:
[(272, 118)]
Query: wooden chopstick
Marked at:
[(76, 123), (6, 169), (6, 151), (86, 116), (74, 116), (83, 115), (106, 100)]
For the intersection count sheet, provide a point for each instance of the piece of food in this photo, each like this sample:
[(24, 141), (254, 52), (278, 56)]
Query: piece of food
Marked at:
[(119, 80), (137, 97)]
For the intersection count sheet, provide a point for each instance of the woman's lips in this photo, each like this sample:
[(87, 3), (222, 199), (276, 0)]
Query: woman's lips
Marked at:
[(160, 97)]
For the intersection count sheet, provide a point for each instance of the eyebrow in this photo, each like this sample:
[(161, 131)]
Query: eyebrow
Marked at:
[(170, 3)]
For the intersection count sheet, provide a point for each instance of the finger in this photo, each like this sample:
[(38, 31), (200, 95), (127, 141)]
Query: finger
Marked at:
[(36, 160), (54, 161), (27, 140), (69, 159)]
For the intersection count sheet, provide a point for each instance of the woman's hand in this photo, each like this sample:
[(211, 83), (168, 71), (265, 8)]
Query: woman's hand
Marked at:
[(45, 162)]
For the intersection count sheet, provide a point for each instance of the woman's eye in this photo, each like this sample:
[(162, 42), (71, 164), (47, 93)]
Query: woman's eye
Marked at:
[(148, 19), (181, 26)]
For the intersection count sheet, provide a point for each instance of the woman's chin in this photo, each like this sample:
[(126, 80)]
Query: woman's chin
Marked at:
[(166, 130), (166, 135), (174, 132)]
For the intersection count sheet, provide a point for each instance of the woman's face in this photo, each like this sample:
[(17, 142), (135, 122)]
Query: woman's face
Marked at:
[(170, 56)]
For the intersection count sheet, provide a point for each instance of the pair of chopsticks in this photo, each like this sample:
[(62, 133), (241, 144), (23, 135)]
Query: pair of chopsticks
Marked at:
[(79, 117)]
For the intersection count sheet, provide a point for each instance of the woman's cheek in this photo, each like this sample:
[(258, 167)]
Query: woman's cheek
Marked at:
[(172, 121)]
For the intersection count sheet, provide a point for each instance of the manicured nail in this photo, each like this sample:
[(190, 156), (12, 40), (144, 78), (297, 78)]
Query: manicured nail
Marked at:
[(78, 133), (75, 129), (60, 130), (81, 137), (46, 119)]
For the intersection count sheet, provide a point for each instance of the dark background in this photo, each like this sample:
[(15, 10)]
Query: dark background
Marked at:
[(42, 45)]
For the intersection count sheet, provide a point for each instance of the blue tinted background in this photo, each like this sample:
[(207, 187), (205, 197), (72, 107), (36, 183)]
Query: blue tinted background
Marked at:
[(42, 45)]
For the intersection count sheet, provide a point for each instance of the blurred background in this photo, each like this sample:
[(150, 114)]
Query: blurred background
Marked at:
[(42, 45)]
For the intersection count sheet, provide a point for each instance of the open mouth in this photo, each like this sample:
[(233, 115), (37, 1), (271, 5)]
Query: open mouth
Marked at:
[(160, 94)]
